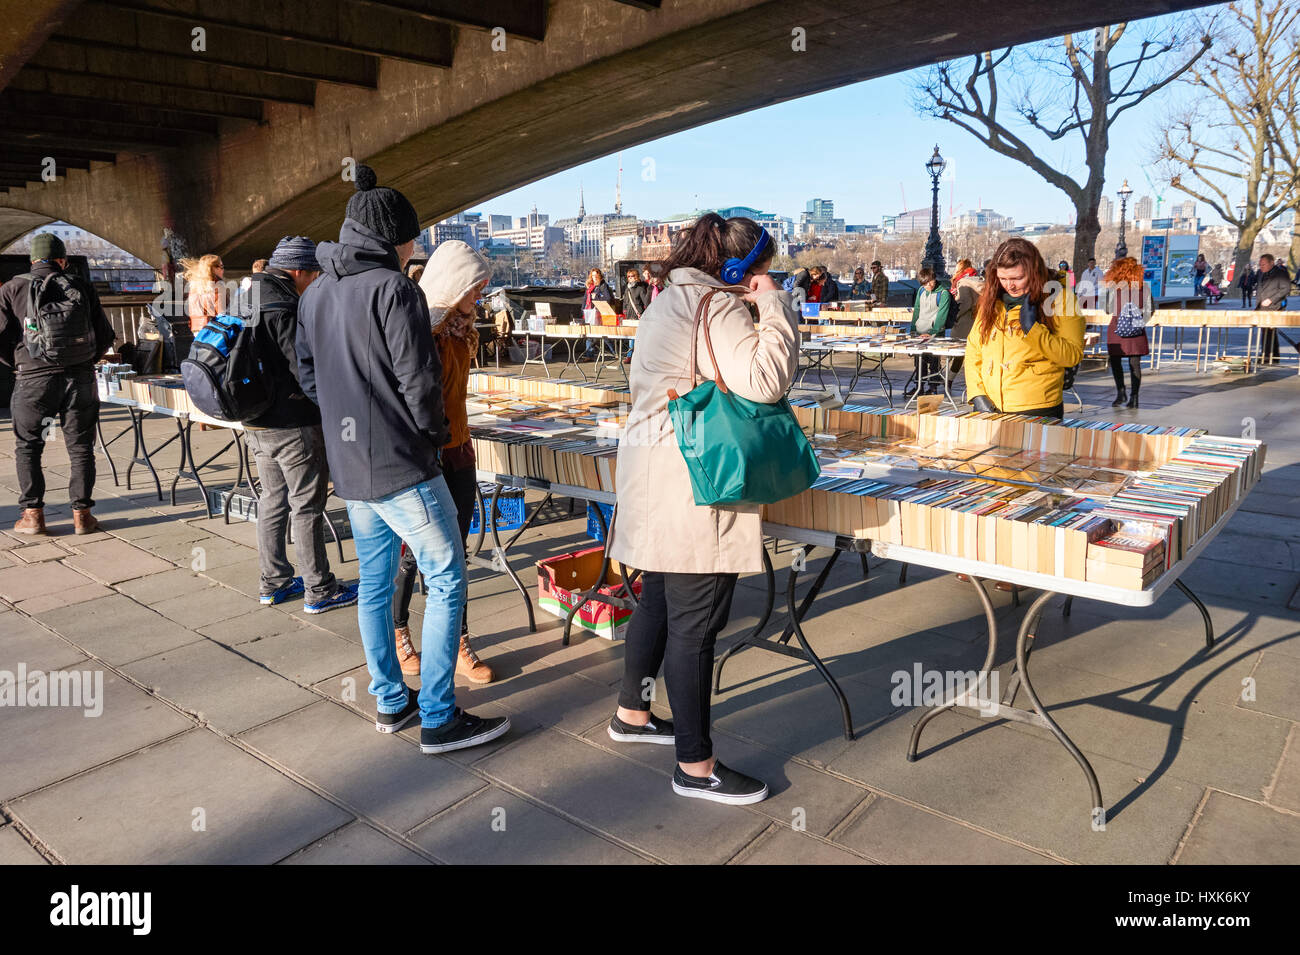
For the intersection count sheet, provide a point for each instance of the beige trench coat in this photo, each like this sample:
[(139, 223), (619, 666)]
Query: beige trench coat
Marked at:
[(659, 527)]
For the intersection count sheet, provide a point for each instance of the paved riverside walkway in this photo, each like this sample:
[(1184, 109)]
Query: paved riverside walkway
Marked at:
[(235, 733)]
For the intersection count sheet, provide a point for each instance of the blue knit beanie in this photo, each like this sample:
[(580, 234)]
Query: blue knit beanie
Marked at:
[(294, 252)]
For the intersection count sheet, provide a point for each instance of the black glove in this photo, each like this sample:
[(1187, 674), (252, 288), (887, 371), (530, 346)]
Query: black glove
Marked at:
[(1028, 316), (982, 403)]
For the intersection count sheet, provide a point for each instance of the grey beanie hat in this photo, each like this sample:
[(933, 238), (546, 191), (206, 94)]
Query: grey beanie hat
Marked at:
[(294, 252), (382, 210)]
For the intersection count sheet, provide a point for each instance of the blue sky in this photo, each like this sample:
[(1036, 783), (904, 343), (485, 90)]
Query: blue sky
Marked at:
[(842, 159)]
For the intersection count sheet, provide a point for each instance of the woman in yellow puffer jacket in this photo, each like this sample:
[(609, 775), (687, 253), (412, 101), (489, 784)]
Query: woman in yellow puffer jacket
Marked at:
[(1027, 332)]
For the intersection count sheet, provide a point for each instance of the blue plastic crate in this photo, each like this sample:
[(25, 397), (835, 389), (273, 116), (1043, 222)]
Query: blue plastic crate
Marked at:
[(812, 309), (594, 526), (509, 509)]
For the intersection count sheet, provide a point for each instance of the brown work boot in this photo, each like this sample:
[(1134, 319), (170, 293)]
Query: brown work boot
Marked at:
[(84, 522), (32, 521), (470, 666), (406, 652)]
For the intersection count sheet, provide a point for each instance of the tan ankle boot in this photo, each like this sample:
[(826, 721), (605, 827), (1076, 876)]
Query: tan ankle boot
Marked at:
[(470, 666), (84, 522), (406, 653), (32, 521)]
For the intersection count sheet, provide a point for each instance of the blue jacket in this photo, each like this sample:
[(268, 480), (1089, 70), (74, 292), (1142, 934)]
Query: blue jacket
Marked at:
[(367, 358)]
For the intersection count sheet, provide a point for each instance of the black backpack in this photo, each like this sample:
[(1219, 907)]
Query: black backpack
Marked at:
[(224, 374), (58, 328)]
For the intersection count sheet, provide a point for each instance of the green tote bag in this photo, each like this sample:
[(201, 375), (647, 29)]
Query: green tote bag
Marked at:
[(737, 451)]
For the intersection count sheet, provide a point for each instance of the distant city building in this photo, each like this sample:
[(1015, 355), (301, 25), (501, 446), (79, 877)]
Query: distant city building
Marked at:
[(977, 219), (1143, 208), (99, 253), (587, 234), (538, 238), (464, 227), (908, 223), (498, 223), (818, 218), (1105, 211)]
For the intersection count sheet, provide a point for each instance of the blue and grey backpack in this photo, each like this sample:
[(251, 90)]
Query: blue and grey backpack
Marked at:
[(223, 373)]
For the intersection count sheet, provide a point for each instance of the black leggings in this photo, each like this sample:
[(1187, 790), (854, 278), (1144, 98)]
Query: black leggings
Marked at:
[(675, 627), (461, 482), (1134, 367)]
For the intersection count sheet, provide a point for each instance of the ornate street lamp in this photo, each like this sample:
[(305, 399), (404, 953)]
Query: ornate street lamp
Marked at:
[(1121, 249), (934, 244)]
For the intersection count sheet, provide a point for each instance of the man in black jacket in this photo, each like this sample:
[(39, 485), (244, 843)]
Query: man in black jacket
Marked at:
[(1271, 291), (47, 391), (366, 356), (288, 444)]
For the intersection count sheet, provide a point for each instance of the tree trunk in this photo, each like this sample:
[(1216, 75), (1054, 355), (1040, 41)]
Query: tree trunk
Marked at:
[(1241, 255), (1087, 228)]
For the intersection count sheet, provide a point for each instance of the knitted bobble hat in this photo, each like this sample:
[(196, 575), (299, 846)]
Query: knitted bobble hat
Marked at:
[(382, 210)]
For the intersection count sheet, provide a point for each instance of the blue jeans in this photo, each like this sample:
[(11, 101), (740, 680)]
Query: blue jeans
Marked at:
[(425, 517)]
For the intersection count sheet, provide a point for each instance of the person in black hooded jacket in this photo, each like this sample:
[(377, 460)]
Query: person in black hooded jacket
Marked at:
[(366, 357)]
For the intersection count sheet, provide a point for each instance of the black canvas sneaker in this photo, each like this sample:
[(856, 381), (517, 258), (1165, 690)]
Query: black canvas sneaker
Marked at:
[(722, 785), (462, 731), (654, 731), (393, 722)]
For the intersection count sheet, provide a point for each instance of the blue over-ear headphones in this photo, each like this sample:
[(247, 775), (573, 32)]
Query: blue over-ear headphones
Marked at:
[(734, 270)]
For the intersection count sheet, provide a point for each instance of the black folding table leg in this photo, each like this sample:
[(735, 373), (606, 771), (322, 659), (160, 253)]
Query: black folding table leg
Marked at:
[(1209, 626), (141, 450), (500, 553), (991, 622), (103, 446), (1022, 668), (751, 638), (793, 624)]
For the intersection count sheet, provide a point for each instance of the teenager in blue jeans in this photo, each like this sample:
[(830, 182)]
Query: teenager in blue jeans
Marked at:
[(366, 357)]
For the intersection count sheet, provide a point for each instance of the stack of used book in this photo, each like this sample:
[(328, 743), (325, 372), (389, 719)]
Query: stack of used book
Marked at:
[(161, 392), (1111, 504)]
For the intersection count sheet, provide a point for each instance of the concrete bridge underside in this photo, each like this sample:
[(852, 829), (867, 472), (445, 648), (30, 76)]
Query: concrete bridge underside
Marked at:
[(236, 145)]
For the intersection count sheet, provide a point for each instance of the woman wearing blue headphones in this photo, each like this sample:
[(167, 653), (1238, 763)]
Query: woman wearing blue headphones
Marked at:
[(691, 555)]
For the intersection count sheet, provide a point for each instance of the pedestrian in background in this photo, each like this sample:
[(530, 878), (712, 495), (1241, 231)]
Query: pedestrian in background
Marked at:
[(1247, 281), (879, 283), (965, 291), (691, 555), (54, 369), (1124, 286), (930, 314), (203, 293), (1273, 287), (452, 283), (288, 444), (1024, 338), (366, 357), (861, 287)]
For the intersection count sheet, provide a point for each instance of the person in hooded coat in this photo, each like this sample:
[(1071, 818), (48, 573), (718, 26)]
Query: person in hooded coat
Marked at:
[(452, 281), (365, 356)]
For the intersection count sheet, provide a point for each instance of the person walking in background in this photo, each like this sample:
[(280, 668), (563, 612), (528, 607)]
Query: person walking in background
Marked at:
[(1272, 290), (288, 445), (861, 288), (879, 283), (1199, 271), (1088, 288), (637, 298), (1247, 281), (1124, 289), (1216, 274), (203, 297), (52, 331), (965, 292), (366, 357), (452, 283), (1024, 337), (691, 555), (929, 318)]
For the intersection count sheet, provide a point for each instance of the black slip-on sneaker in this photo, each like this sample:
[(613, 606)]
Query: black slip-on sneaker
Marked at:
[(462, 731), (723, 785), (654, 731), (393, 722)]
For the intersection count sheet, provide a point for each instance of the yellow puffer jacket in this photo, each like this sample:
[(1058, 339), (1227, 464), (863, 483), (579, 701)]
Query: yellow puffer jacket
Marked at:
[(1020, 372)]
